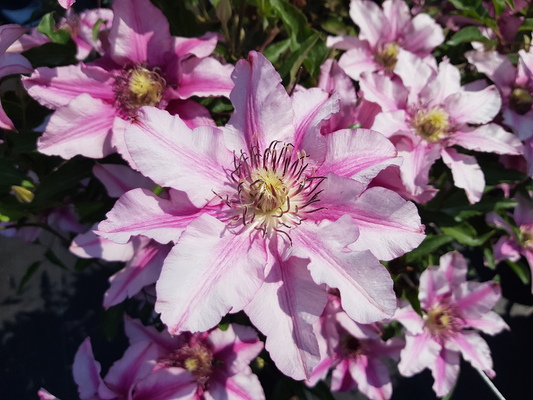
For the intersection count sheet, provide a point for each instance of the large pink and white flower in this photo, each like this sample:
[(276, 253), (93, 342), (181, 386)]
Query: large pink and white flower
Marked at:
[(430, 113), (143, 65), (354, 352), (451, 307), (267, 213), (384, 34)]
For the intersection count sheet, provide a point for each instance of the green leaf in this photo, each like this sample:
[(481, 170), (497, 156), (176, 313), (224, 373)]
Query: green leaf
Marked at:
[(9, 175), (29, 273), (182, 21), (527, 25), (499, 6), (467, 35), (274, 51), (466, 234), (520, 270), (293, 63), (96, 28), (47, 27), (50, 256), (489, 258), (429, 245)]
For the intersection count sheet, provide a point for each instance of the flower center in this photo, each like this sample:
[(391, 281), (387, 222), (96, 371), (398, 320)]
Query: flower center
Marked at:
[(388, 56), (138, 86), (275, 189), (520, 100), (196, 358), (443, 320), (351, 346), (432, 125), (527, 237)]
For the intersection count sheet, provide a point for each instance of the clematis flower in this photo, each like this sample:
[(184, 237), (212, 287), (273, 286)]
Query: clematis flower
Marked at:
[(265, 213), (11, 63), (354, 351), (451, 307), (429, 114), (143, 65), (208, 365), (383, 35), (517, 242)]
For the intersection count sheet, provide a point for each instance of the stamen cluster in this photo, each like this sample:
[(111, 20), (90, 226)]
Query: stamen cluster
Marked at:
[(275, 188), (443, 320), (195, 358), (138, 86), (432, 124)]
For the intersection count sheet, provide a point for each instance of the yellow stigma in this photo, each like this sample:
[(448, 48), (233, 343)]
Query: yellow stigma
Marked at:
[(388, 57), (443, 320), (146, 87), (268, 191), (191, 364), (432, 125)]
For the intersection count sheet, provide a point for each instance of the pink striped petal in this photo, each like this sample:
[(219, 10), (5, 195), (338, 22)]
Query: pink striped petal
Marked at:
[(477, 107), (397, 15), (165, 149), (422, 34), (420, 352), (445, 371), (136, 364), (243, 386), (496, 66), (191, 112), (359, 154), (284, 309), (446, 83), (466, 172), (119, 179), (236, 347), (409, 318), (165, 384), (204, 77), (90, 245), (489, 323), (387, 228), (140, 212), (86, 371), (5, 121), (56, 87), (369, 17), (358, 60), (83, 127), (210, 272), (477, 298), (143, 270), (474, 350), (365, 285), (14, 63), (263, 110), (372, 377), (140, 33), (454, 267), (390, 95), (490, 138), (201, 46)]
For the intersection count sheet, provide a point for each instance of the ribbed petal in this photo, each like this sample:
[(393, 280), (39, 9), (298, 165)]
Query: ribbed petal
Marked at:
[(285, 309), (496, 66), (420, 352), (263, 110), (474, 350), (90, 245), (14, 63), (422, 35), (165, 149), (199, 46), (140, 212), (204, 77), (466, 172), (56, 87), (390, 95), (370, 19), (445, 371), (210, 272), (9, 33), (477, 107), (364, 284), (83, 127), (358, 60), (490, 138), (243, 386), (119, 179), (140, 33), (167, 384)]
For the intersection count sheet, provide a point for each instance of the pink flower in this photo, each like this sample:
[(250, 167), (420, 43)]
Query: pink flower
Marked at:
[(429, 114), (384, 34), (517, 242), (143, 65), (211, 365), (354, 351), (451, 306), (270, 213), (11, 63)]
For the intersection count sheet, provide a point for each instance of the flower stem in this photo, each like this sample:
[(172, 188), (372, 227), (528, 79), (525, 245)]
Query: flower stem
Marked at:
[(490, 384)]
